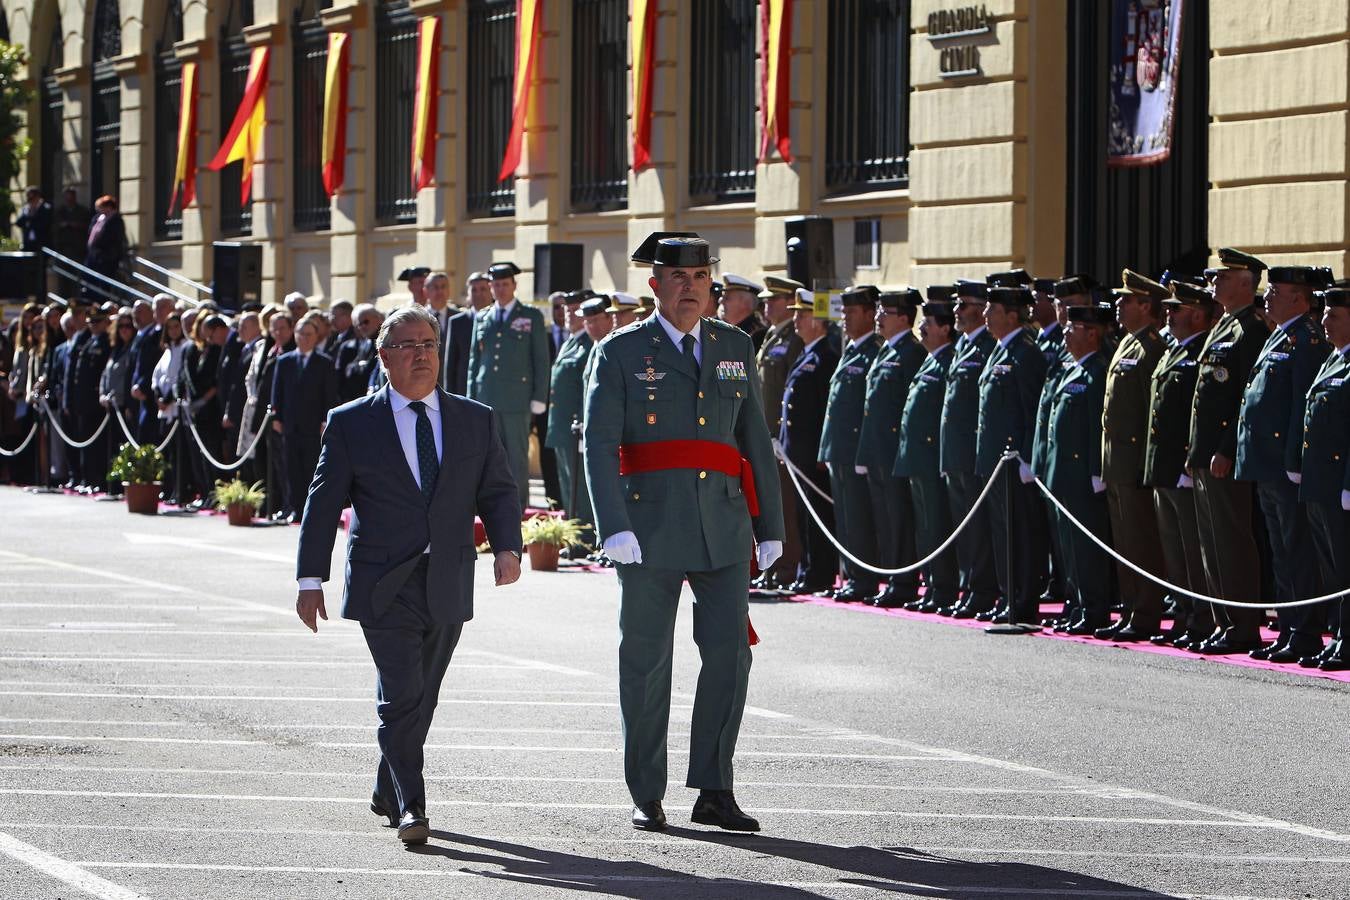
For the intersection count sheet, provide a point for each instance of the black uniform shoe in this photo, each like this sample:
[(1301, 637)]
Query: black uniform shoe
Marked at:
[(413, 827), (385, 810), (1130, 634), (803, 587), (1334, 664), (851, 593), (1108, 632), (1170, 636), (719, 808), (1083, 628), (649, 816), (1265, 651), (1226, 646), (1292, 653)]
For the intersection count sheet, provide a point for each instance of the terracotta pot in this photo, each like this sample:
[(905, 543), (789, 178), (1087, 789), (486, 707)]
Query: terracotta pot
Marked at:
[(142, 498), (543, 557), (240, 514)]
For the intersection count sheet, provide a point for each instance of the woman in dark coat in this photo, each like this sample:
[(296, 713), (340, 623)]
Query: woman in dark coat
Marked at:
[(107, 242)]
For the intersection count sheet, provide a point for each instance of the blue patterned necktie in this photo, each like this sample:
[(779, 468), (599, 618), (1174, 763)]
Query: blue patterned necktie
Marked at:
[(428, 466)]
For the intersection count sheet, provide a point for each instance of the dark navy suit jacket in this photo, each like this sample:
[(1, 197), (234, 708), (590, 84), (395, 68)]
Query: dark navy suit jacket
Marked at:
[(806, 393), (301, 398), (458, 330), (392, 523)]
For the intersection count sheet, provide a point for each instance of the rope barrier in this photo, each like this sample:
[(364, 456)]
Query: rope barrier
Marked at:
[(23, 445), (117, 411), (243, 458), (160, 447), (71, 442)]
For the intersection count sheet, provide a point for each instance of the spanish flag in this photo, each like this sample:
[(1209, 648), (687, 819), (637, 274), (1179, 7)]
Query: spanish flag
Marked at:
[(424, 102), (244, 139), (643, 40), (335, 111), (529, 19), (775, 49), (185, 171)]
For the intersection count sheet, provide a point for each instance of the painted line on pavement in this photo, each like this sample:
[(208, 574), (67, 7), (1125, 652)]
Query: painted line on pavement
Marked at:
[(532, 692), (242, 661), (69, 873)]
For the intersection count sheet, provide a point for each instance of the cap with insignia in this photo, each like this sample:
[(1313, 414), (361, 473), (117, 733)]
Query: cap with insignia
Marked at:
[(1134, 283), (499, 270), (645, 302), (860, 295), (621, 302), (1339, 295), (940, 292), (1311, 276), (732, 282), (939, 308), (594, 306), (1093, 314), (1074, 285), (804, 300), (970, 290), (645, 254), (683, 253), (478, 276), (1184, 293), (1014, 278), (778, 286), (1236, 259), (412, 272), (903, 299), (1010, 296)]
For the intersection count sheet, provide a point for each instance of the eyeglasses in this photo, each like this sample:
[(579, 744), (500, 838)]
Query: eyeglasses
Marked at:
[(126, 325), (415, 346)]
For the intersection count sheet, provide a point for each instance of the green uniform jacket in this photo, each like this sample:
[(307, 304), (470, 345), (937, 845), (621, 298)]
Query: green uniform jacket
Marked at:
[(1075, 449), (1270, 426), (848, 395), (1010, 387), (1057, 360), (961, 404), (1326, 434), (1169, 413), (1129, 383), (776, 357), (888, 384), (921, 421), (1229, 352), (509, 366), (644, 389), (1051, 345), (567, 390)]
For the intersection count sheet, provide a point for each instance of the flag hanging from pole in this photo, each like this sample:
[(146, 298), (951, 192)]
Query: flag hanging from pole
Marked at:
[(335, 112), (775, 89), (185, 170), (424, 104), (244, 139), (643, 40), (529, 14)]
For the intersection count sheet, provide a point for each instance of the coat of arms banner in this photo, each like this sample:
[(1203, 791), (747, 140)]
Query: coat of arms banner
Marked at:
[(1145, 60)]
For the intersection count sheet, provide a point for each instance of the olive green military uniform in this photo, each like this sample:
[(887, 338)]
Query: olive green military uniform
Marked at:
[(690, 524), (839, 449), (1051, 344), (567, 394), (777, 355)]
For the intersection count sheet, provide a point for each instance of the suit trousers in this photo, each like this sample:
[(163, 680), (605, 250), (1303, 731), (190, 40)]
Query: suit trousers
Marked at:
[(854, 524), (891, 510), (1180, 539), (94, 458), (1133, 529), (514, 428), (1086, 564), (1058, 584), (302, 457), (1329, 527), (1019, 544), (1293, 560), (411, 652), (933, 525), (278, 487), (979, 585), (1223, 515), (818, 563), (648, 600), (786, 566)]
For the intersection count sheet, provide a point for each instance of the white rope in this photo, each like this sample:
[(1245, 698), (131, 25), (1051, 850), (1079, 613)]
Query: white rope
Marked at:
[(74, 444), (247, 454), (168, 438), (23, 445), (793, 473), (117, 411)]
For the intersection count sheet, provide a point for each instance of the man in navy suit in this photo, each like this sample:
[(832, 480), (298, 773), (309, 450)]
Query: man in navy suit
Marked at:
[(455, 341), (303, 391), (416, 471), (146, 350)]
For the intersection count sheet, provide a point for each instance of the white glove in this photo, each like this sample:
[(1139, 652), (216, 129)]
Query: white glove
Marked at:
[(1098, 485), (1345, 500), (1295, 477), (623, 548), (1024, 472), (861, 470), (537, 407), (1186, 481), (767, 553)]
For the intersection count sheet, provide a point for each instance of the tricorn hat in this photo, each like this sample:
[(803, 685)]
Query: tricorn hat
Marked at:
[(860, 295), (904, 299), (683, 253), (503, 270), (645, 254), (412, 272), (1093, 314)]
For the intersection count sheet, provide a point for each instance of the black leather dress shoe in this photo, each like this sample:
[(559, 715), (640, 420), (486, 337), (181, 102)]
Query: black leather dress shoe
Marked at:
[(805, 587), (1226, 646), (988, 615), (915, 605), (413, 827), (1334, 664), (851, 592), (649, 816), (1170, 636), (1292, 653), (385, 810), (719, 808), (1132, 635), (1083, 628), (1265, 651), (1108, 632)]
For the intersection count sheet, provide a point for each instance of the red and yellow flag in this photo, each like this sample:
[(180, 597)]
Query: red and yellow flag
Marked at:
[(185, 170), (424, 102), (775, 90), (643, 40), (244, 139), (529, 17), (334, 154)]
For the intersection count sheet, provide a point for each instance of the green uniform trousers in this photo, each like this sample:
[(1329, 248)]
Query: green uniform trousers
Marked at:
[(648, 600), (1223, 516), (576, 498), (515, 431), (1180, 538), (854, 525), (933, 525)]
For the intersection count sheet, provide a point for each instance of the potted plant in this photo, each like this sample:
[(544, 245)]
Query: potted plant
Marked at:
[(239, 500), (140, 471), (545, 536)]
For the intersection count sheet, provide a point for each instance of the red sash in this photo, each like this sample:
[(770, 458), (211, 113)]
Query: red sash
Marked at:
[(656, 456)]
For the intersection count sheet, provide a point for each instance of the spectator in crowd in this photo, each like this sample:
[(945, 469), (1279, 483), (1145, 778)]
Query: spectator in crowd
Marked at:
[(35, 222), (51, 385), (146, 349), (107, 244), (344, 329), (416, 277), (231, 380), (436, 290), (278, 338), (71, 232), (115, 384), (355, 356), (29, 347), (201, 370), (88, 360), (296, 305), (455, 362), (164, 381), (304, 389)]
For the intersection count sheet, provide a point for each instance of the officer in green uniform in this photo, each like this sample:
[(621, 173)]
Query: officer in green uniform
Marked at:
[(777, 355), (1190, 315), (1325, 483), (956, 449), (1223, 506), (888, 380), (1074, 466), (916, 457), (682, 476), (1009, 388), (1129, 381), (839, 444), (567, 394), (1268, 443), (509, 368)]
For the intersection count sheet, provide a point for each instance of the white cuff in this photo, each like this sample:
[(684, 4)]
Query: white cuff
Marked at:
[(1295, 477), (1186, 481), (537, 407), (1345, 500), (860, 470), (311, 584), (767, 553), (1097, 484), (1024, 472), (623, 548)]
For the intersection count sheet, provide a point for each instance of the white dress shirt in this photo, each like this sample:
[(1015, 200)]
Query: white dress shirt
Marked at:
[(677, 337)]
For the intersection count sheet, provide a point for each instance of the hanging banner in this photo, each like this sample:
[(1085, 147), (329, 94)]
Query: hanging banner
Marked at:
[(529, 16), (643, 41), (185, 170), (244, 139), (1146, 56), (775, 48), (424, 102), (334, 152)]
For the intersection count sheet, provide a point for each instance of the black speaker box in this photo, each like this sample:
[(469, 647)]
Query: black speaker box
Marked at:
[(557, 267), (21, 276), (238, 274), (810, 250)]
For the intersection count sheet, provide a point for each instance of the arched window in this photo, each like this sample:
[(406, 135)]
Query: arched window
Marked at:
[(106, 114), (395, 84), (309, 61), (53, 114), (236, 218), (168, 99), (722, 88), (491, 47)]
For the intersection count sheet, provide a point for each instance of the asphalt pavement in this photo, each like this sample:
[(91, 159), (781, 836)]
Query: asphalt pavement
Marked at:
[(169, 729)]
